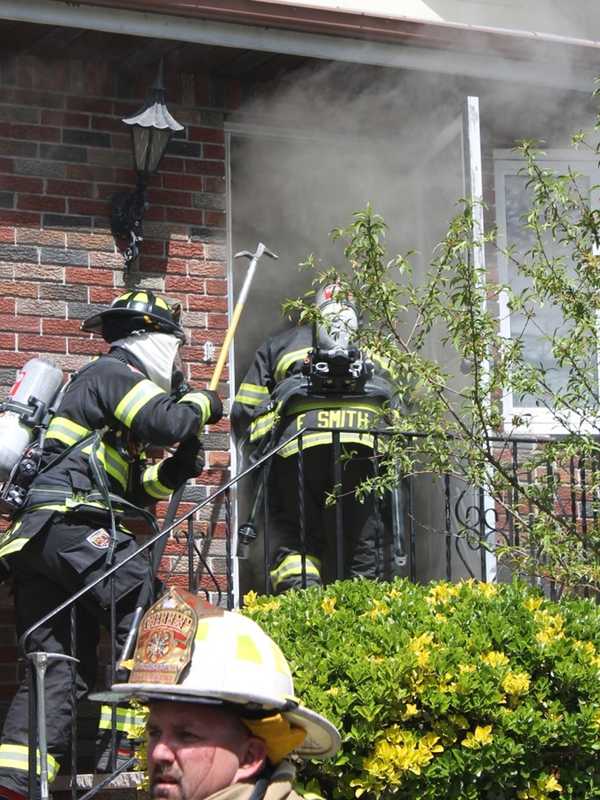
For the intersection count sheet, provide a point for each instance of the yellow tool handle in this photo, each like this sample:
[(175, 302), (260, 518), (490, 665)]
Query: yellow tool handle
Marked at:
[(235, 318)]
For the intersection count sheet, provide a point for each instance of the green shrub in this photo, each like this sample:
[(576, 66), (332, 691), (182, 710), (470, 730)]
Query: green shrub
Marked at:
[(467, 690)]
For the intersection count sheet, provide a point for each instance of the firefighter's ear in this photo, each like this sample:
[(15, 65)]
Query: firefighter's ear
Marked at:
[(253, 758)]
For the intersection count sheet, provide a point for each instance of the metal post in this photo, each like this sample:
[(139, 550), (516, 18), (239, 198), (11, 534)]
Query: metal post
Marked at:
[(339, 507), (302, 509)]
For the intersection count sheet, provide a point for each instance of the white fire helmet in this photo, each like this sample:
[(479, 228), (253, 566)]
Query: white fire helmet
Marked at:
[(341, 315), (190, 651)]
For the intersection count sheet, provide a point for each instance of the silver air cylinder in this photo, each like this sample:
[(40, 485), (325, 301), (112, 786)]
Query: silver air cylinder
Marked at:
[(39, 379)]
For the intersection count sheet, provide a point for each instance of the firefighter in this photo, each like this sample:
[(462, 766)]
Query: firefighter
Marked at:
[(223, 716), (312, 376), (93, 473)]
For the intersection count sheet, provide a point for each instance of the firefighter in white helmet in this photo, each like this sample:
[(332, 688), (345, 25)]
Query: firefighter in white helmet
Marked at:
[(223, 716)]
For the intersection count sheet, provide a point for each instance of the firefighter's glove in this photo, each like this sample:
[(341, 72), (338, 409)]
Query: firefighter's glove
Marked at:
[(216, 406), (186, 462)]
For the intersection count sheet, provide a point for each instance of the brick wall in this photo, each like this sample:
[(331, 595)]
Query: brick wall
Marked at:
[(63, 154)]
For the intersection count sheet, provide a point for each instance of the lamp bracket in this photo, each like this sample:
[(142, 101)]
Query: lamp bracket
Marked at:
[(126, 217)]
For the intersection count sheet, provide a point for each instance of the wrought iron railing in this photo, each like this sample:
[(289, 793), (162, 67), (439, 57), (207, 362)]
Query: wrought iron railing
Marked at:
[(435, 526)]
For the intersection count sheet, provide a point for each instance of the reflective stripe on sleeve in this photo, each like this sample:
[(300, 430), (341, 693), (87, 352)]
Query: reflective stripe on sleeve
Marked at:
[(152, 484), (128, 720), (201, 401), (135, 399), (251, 394), (286, 361), (291, 567), (259, 427), (13, 546), (66, 431), (16, 757)]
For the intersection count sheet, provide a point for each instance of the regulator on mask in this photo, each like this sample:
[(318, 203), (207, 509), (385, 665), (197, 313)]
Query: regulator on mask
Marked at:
[(335, 365)]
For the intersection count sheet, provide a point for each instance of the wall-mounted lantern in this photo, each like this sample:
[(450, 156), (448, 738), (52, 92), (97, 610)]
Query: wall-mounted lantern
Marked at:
[(151, 130)]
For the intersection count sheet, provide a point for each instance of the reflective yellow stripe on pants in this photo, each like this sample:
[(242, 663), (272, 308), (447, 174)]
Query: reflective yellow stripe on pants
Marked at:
[(16, 757), (291, 567)]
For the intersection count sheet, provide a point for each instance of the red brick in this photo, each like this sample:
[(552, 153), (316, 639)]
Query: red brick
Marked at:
[(107, 124), (36, 236), (169, 198), (216, 287), (185, 249), (41, 202), (90, 241), (205, 167), (154, 247), (105, 260), (206, 134), (101, 295), (97, 277), (177, 266), (20, 217), (8, 341), (82, 172), (53, 344), (106, 191), (20, 324), (11, 359), (69, 188), (214, 219), (80, 206), (187, 215), (16, 183), (206, 303), (217, 321), (218, 459), (90, 104), (65, 119), (208, 269), (171, 164), (35, 133), (6, 165), (86, 346), (18, 289), (214, 151), (191, 182), (200, 336), (7, 235), (184, 284), (64, 327), (155, 213), (7, 306)]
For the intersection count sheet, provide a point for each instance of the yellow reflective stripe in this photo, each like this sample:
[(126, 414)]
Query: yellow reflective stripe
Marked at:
[(292, 566), (112, 461), (246, 650), (324, 404), (251, 394), (262, 425), (286, 361), (314, 439), (152, 484), (198, 399), (13, 546), (135, 399), (16, 757), (126, 719), (66, 431)]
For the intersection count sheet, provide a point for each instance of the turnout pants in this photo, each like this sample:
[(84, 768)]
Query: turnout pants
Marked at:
[(362, 524), (58, 561)]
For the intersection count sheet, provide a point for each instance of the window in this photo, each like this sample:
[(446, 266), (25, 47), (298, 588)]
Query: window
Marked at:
[(512, 202)]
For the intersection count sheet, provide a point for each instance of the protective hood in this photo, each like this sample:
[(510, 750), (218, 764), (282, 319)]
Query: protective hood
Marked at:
[(156, 352)]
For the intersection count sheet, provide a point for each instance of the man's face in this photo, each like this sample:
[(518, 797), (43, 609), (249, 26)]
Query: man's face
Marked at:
[(195, 750)]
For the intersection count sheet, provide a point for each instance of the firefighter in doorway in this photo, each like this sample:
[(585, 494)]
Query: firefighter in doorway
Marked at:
[(93, 474), (313, 377)]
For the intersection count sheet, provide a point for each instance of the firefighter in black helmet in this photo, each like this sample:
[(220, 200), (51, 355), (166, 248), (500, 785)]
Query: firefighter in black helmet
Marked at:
[(94, 472), (313, 377)]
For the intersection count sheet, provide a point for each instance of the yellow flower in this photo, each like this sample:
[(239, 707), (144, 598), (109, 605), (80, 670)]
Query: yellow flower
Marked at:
[(378, 609), (250, 600), (495, 659), (459, 721), (540, 789), (328, 605), (398, 753), (410, 711), (481, 736), (442, 593), (465, 669), (516, 683), (488, 589), (533, 603), (551, 627)]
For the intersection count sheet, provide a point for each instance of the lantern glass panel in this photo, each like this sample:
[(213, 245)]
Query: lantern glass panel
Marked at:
[(149, 145)]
